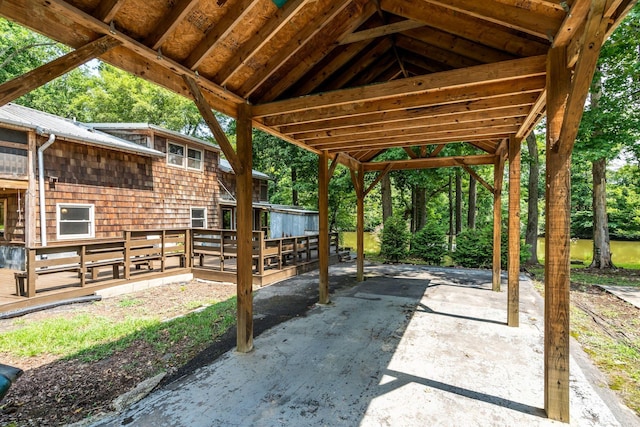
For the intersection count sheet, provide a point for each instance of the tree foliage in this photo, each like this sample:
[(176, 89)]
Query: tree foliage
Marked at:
[(394, 242)]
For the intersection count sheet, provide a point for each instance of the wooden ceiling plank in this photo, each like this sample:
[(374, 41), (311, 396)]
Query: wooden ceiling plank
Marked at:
[(459, 118), (318, 76), (404, 102), (303, 63), (383, 30), (220, 30), (259, 39), (107, 10), (443, 56), (417, 139), (426, 65), (522, 101), (430, 163), (25, 83), (376, 72), (169, 23), (365, 59), (74, 14), (465, 26), (425, 129), (414, 138), (540, 25), (485, 146), (308, 32), (459, 45), (214, 126), (478, 75)]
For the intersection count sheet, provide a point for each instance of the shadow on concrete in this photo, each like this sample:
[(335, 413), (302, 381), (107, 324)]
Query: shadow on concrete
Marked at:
[(425, 309)]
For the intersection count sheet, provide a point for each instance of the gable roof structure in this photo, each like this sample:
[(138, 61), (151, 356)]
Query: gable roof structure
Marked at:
[(349, 79), (348, 76)]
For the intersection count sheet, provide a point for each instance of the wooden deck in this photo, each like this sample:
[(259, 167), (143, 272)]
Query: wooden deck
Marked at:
[(63, 285)]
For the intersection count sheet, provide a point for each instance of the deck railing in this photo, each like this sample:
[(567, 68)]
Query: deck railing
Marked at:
[(146, 248), (217, 249), (86, 257)]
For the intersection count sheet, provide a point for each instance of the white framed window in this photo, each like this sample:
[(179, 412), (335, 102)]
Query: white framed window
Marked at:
[(74, 221), (198, 217), (175, 154), (194, 159)]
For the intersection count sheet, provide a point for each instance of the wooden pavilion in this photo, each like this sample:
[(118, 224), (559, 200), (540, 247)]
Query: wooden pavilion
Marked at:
[(348, 79)]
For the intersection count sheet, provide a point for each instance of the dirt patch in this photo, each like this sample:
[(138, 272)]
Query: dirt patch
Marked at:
[(55, 392)]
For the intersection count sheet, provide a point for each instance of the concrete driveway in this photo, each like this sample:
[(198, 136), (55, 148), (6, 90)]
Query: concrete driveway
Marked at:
[(411, 346)]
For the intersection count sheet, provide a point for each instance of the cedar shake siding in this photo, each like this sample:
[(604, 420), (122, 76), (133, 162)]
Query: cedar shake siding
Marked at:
[(128, 191)]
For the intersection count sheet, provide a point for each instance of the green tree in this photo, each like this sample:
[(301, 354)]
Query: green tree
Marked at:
[(394, 242)]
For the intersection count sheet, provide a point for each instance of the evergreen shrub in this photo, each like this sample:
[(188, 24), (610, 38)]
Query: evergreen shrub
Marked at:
[(429, 244), (394, 241)]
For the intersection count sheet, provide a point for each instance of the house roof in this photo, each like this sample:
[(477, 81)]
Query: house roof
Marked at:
[(349, 77), (45, 123), (225, 166), (155, 128)]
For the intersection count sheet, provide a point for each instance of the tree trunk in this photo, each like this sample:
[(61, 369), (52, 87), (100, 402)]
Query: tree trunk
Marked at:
[(385, 189), (412, 226), (531, 237), (451, 227), (421, 208), (458, 201), (294, 191), (471, 213), (601, 244)]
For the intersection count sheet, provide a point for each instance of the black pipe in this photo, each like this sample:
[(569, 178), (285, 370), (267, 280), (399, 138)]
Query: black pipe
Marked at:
[(27, 310)]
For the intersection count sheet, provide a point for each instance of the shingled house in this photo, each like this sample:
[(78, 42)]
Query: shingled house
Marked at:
[(96, 180)]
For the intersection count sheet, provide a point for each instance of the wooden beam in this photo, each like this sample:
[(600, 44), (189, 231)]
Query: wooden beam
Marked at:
[(377, 180), (259, 39), (465, 26), (107, 10), (479, 75), (169, 23), (572, 22), (541, 25), (478, 178), (521, 101), (413, 102), (513, 253), (214, 126), (430, 163), (289, 50), (437, 150), (557, 243), (323, 233), (27, 82), (358, 183), (498, 174), (244, 197), (534, 116), (383, 30), (591, 43), (219, 32), (334, 164), (412, 154)]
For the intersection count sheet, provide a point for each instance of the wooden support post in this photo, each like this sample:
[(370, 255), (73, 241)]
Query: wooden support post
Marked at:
[(127, 255), (31, 273), (557, 242), (498, 173), (513, 257), (244, 183), (360, 224), (323, 237)]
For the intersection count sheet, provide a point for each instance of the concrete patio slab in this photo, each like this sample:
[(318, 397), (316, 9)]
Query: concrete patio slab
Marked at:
[(411, 346)]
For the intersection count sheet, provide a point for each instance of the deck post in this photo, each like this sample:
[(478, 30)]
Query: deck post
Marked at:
[(360, 223), (323, 233), (557, 242), (244, 183), (498, 173), (31, 273), (513, 258)]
